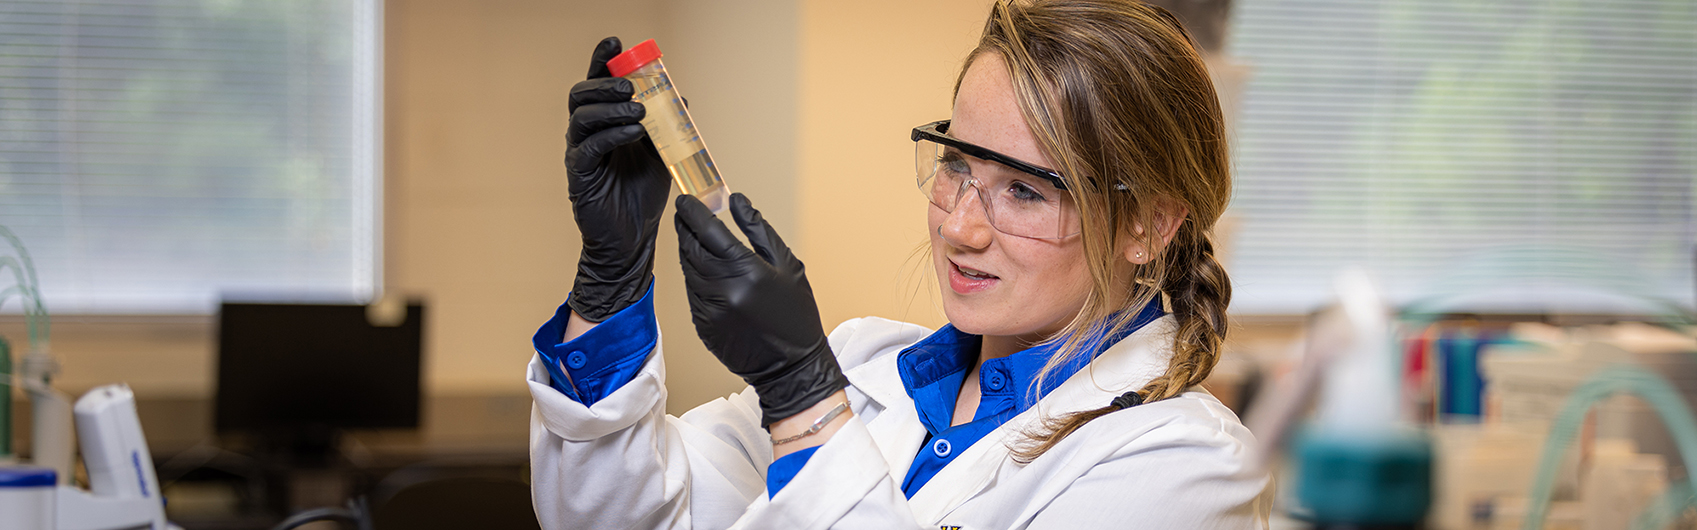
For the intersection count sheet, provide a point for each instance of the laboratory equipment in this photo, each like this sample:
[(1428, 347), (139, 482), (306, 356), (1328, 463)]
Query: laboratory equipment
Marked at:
[(50, 409), (669, 125), (124, 492), (1357, 464)]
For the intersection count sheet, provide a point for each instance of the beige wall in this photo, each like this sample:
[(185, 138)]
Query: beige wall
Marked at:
[(870, 72)]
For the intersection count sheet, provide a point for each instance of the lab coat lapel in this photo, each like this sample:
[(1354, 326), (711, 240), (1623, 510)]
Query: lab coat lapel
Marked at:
[(897, 429), (1129, 364)]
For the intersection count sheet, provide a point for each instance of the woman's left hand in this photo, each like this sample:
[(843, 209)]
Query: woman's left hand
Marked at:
[(754, 308)]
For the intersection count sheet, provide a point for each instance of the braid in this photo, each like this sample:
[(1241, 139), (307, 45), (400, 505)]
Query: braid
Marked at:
[(1200, 292)]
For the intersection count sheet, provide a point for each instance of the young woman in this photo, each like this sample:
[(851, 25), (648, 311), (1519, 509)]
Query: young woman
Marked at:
[(1071, 197)]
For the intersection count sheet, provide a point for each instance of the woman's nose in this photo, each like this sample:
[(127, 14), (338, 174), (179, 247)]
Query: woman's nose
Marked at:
[(968, 226)]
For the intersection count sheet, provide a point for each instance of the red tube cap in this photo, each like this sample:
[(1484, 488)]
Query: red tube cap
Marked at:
[(633, 58)]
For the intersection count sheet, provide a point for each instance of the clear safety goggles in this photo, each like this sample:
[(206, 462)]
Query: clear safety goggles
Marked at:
[(1018, 198)]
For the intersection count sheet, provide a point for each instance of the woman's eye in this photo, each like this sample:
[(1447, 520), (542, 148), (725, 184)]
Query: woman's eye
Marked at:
[(954, 165), (1025, 193)]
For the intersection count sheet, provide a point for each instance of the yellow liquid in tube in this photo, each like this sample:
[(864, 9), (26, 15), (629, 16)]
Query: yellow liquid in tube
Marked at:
[(673, 132)]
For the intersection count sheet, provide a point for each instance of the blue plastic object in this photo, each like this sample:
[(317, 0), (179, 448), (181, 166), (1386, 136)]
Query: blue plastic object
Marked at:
[(1461, 384), (27, 477)]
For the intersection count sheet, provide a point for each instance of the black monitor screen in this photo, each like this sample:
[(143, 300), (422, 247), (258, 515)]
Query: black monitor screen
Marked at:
[(291, 366)]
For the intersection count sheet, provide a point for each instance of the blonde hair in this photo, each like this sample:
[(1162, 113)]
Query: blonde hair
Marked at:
[(1118, 96)]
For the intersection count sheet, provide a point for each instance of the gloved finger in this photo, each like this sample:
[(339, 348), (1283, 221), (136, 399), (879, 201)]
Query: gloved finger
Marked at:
[(591, 119), (599, 90), (606, 50), (760, 233), (586, 155), (710, 234), (698, 264), (689, 251), (696, 261)]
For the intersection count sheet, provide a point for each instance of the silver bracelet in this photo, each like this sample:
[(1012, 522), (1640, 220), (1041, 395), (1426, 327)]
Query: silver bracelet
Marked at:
[(817, 425)]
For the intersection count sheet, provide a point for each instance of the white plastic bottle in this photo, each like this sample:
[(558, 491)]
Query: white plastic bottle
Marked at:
[(669, 125)]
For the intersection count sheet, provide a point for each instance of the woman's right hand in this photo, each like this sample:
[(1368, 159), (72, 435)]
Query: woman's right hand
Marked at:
[(618, 188), (754, 309)]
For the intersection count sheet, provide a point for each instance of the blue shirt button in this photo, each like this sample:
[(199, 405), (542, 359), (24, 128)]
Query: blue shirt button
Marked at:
[(941, 448), (995, 381), (576, 360)]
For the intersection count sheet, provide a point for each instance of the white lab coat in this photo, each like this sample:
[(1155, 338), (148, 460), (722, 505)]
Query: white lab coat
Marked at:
[(1179, 463)]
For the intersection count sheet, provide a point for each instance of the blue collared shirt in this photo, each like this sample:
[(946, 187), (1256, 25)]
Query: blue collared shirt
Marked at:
[(933, 370), (593, 365)]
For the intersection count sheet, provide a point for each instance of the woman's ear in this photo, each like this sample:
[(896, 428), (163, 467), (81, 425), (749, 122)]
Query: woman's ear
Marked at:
[(1169, 216)]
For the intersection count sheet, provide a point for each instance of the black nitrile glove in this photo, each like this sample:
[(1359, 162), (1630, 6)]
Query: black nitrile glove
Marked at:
[(618, 190), (756, 312)]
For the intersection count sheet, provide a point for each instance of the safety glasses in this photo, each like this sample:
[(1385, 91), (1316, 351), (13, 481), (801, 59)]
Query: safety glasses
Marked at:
[(1018, 198)]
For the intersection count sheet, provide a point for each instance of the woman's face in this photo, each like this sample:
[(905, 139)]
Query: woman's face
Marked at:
[(993, 283)]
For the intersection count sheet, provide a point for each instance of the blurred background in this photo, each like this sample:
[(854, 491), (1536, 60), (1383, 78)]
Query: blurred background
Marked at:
[(1517, 177)]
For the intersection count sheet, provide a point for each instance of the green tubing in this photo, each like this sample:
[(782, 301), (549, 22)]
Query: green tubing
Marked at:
[(1661, 396), (23, 253), (29, 287), (34, 316), (34, 313), (19, 275), (23, 298), (1665, 509)]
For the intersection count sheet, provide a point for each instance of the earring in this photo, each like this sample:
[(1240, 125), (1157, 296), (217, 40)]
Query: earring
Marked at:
[(1139, 254)]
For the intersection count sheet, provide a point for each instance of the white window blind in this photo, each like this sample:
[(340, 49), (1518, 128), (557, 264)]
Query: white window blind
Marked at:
[(1513, 155), (157, 153)]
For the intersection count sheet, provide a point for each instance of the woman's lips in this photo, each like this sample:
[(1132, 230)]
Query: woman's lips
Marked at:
[(965, 283)]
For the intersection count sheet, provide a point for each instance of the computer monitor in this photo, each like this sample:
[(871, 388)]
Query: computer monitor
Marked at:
[(309, 370)]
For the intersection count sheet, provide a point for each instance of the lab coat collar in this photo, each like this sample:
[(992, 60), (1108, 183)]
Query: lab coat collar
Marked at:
[(933, 369), (896, 425)]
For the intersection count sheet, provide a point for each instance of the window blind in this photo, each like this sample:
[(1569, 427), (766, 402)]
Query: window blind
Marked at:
[(1514, 156), (158, 154)]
